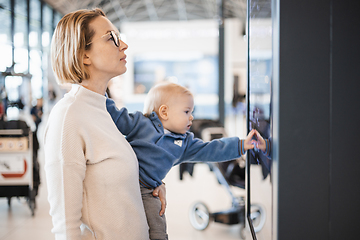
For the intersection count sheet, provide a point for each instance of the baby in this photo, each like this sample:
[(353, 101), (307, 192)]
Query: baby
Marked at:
[(161, 139)]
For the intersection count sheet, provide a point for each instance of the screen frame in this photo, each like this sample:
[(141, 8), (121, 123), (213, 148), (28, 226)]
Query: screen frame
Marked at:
[(247, 178), (249, 116)]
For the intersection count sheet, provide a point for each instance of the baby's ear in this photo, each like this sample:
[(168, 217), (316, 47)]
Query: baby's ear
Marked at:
[(163, 112)]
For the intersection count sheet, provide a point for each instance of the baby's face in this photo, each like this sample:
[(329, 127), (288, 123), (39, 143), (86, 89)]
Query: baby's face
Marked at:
[(180, 114)]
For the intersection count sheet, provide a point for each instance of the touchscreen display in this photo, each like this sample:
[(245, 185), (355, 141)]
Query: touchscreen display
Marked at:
[(259, 188)]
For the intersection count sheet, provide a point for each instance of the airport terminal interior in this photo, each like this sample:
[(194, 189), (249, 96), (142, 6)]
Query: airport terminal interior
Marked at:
[(167, 42), (226, 52)]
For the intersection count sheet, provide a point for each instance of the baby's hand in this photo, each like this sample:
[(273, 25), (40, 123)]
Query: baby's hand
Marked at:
[(260, 143), (249, 142)]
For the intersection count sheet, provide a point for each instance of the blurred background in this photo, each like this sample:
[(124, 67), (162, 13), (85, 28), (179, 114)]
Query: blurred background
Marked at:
[(288, 69), (179, 41)]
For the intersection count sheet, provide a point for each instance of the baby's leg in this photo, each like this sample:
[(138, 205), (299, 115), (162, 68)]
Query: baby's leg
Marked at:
[(157, 223)]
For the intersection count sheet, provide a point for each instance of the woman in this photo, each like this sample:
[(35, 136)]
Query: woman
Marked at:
[(91, 170)]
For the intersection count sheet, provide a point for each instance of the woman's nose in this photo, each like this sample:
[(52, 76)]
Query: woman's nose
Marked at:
[(123, 46)]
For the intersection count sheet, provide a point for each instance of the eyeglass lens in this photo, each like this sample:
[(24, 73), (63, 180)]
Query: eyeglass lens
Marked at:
[(115, 38)]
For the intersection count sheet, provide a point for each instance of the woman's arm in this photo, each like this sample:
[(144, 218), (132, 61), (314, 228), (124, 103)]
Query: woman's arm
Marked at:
[(65, 172)]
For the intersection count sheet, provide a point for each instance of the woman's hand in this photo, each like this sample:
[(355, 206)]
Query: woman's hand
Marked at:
[(160, 192)]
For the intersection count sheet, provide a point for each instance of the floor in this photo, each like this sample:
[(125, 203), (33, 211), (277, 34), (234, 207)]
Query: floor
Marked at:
[(16, 222)]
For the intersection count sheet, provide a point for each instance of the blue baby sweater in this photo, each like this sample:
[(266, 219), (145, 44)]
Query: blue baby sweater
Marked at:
[(158, 151)]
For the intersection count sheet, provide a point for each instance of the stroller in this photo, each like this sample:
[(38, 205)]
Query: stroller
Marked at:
[(230, 173)]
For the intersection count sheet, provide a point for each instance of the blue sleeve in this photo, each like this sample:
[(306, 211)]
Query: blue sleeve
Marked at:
[(123, 120), (217, 150), (267, 152)]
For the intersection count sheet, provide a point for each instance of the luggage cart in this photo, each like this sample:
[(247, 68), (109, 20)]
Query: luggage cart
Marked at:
[(16, 163)]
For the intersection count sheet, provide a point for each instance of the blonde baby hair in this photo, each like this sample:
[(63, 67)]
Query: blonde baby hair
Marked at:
[(161, 94)]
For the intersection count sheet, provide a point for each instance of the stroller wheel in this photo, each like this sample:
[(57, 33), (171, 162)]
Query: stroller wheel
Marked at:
[(258, 216), (199, 216)]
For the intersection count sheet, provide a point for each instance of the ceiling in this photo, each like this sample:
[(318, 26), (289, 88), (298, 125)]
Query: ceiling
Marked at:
[(156, 10)]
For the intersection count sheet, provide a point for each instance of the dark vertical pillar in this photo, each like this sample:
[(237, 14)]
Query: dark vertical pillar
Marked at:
[(41, 23), (53, 25), (345, 120), (44, 79), (221, 63), (28, 31), (302, 137), (316, 84), (12, 31)]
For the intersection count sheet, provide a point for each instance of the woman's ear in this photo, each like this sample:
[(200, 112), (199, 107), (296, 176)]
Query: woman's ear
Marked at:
[(86, 59), (163, 112)]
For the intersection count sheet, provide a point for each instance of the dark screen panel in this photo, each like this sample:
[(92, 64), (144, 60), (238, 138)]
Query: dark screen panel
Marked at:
[(304, 118), (345, 164)]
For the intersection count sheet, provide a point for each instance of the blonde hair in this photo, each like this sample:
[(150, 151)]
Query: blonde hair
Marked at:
[(69, 43), (161, 94)]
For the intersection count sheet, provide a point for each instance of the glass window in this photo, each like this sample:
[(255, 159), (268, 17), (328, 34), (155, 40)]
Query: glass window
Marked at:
[(57, 18), (259, 165), (20, 38), (46, 38), (5, 35), (47, 27), (35, 24), (31, 46), (35, 48)]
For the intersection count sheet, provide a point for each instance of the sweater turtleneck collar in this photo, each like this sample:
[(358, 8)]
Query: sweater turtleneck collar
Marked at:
[(91, 97)]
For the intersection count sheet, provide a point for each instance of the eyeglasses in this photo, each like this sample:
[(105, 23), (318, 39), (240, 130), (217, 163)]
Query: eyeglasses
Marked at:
[(114, 36)]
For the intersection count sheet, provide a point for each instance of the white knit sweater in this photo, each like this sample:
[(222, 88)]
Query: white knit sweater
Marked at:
[(92, 172)]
